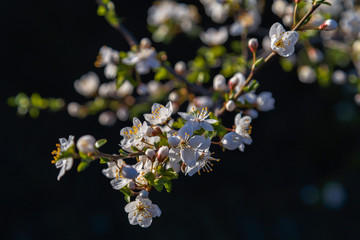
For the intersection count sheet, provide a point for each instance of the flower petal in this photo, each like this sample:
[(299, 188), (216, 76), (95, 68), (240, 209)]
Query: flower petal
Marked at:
[(276, 29), (187, 128), (185, 116), (188, 156), (130, 207), (206, 126)]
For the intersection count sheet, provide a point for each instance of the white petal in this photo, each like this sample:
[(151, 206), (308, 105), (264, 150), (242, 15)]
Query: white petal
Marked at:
[(145, 222), (185, 116), (149, 117), (69, 163), (188, 156), (211, 121), (142, 68), (187, 128), (131, 206), (206, 126), (173, 141), (155, 210), (133, 218), (196, 140), (276, 29), (61, 173)]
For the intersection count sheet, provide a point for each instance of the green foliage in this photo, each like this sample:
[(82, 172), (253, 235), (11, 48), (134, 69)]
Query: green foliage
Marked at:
[(150, 177), (161, 74), (139, 109), (104, 160), (127, 192)]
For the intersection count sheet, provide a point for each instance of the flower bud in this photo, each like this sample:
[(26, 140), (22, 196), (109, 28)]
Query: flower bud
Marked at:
[(328, 25), (144, 194), (162, 153), (230, 106), (253, 45), (150, 132), (233, 82), (129, 172), (73, 109), (157, 130), (145, 43), (150, 154), (180, 67), (219, 83), (86, 144), (132, 185)]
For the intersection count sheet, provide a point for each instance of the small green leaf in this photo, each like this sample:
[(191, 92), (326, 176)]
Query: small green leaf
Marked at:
[(150, 177), (103, 160), (161, 74), (82, 166), (168, 186), (100, 143), (135, 149)]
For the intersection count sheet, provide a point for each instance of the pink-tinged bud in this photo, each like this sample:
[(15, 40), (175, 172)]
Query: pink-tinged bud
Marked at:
[(150, 132), (328, 25), (157, 131), (230, 106), (253, 45), (233, 82), (162, 153), (180, 67), (150, 154)]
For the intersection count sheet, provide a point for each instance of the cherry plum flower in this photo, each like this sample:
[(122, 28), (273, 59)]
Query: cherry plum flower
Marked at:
[(159, 113), (282, 42), (198, 120), (142, 211)]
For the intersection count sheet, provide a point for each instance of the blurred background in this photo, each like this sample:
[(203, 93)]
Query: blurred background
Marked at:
[(298, 180)]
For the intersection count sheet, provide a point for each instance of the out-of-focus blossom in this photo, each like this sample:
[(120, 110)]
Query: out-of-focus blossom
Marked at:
[(107, 118), (217, 10), (265, 101), (213, 37), (306, 74), (88, 84), (339, 77), (108, 57)]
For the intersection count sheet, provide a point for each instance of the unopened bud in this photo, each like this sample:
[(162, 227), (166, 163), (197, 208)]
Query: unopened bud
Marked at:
[(150, 154), (328, 25), (145, 43), (180, 67), (253, 45), (230, 106), (219, 83), (86, 144), (157, 130), (144, 194), (233, 82), (162, 153), (129, 172), (132, 185), (150, 132)]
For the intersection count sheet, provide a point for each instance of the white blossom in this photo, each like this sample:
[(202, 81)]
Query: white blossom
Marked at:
[(144, 60), (88, 84), (265, 101), (184, 145), (61, 159), (283, 43), (306, 74), (198, 119), (243, 128), (203, 161), (108, 58), (142, 211), (231, 141), (159, 113), (213, 37)]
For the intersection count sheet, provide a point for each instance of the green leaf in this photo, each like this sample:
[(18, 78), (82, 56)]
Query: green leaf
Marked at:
[(126, 191), (168, 186), (158, 185), (82, 166), (160, 170), (170, 173), (135, 149), (150, 177), (101, 11), (161, 74), (100, 143), (179, 123), (127, 198)]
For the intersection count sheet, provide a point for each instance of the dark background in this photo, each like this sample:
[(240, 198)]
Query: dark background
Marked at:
[(46, 45)]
